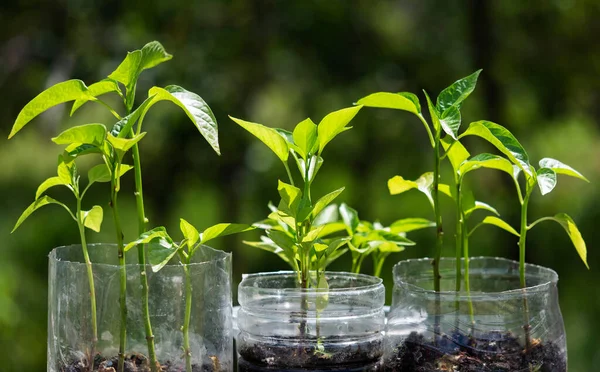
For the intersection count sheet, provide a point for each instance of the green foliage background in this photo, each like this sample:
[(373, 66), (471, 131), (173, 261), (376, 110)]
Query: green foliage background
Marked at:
[(277, 62)]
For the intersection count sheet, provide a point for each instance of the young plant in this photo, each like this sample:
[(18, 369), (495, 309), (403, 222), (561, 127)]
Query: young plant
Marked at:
[(545, 177), (295, 226), (162, 248), (68, 177), (374, 239), (122, 138)]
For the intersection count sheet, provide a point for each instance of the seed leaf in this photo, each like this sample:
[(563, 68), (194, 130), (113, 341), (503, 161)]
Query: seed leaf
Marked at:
[(66, 91), (503, 140), (546, 180), (456, 93), (268, 136), (89, 134), (410, 224), (189, 232), (350, 217), (92, 219), (223, 229), (486, 160), (50, 182), (335, 123), (325, 201), (97, 89), (305, 138), (571, 228), (492, 220), (37, 204), (561, 168), (194, 107), (399, 101)]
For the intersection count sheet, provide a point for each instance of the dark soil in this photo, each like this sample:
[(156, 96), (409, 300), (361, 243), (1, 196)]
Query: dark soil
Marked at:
[(280, 356), (136, 363), (496, 352)]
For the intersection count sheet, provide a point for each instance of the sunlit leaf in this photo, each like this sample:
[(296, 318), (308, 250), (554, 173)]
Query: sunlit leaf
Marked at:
[(37, 204), (101, 173), (50, 182), (146, 237), (124, 144), (489, 161), (561, 168), (267, 245), (493, 220), (398, 185), (305, 137), (95, 90), (331, 228), (435, 116), (333, 124), (92, 219), (546, 180), (325, 201), (571, 228), (66, 91), (350, 217), (268, 136), (91, 134), (456, 93), (450, 121), (281, 239), (189, 232), (290, 198), (399, 101), (480, 206), (455, 151), (410, 224), (223, 229)]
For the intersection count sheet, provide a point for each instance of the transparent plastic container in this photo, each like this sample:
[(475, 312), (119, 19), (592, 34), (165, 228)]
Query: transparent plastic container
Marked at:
[(484, 330), (69, 316), (276, 333)]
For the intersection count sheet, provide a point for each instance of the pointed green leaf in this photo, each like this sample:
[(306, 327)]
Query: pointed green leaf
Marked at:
[(480, 206), (127, 72), (146, 237), (561, 168), (571, 228), (123, 127), (281, 239), (92, 219), (268, 245), (312, 235), (450, 121), (489, 161), (350, 217), (44, 200), (492, 220), (456, 93), (194, 107), (67, 171), (503, 140), (223, 229), (50, 182), (399, 101), (290, 198), (424, 184), (331, 228), (160, 251), (90, 134), (124, 144), (153, 54), (435, 116), (305, 137), (410, 224), (66, 91), (388, 247), (546, 180), (101, 173), (268, 136), (95, 90), (455, 151), (189, 232), (329, 214), (333, 124), (325, 201)]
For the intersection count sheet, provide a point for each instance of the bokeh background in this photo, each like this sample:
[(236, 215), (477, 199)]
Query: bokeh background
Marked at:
[(278, 62)]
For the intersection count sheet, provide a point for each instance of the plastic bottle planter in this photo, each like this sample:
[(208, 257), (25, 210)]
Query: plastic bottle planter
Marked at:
[(278, 334), (485, 331), (69, 319)]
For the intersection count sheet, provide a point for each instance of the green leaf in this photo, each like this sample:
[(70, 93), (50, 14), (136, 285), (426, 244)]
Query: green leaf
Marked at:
[(189, 232), (435, 116), (398, 185), (124, 144), (50, 182), (399, 101), (312, 235), (146, 237), (325, 201), (127, 72), (283, 240), (160, 249), (410, 224), (315, 163), (305, 138), (153, 54), (456, 93), (67, 171), (92, 219), (66, 91), (290, 198), (350, 217), (91, 134), (571, 228), (268, 245), (450, 122), (95, 90), (333, 124), (561, 168), (492, 220), (546, 180), (489, 161), (101, 173), (123, 127), (44, 200), (388, 247), (455, 151), (329, 214), (194, 107), (503, 140), (223, 229), (480, 206), (331, 228), (268, 136)]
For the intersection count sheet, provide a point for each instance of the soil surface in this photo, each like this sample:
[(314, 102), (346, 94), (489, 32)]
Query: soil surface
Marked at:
[(494, 352), (137, 363), (280, 356)]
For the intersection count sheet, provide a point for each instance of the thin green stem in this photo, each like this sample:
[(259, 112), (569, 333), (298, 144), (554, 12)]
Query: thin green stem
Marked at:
[(122, 270), (460, 224), (522, 242), (90, 274), (188, 314), (465, 248), (112, 111), (142, 227), (378, 265), (538, 221), (429, 134), (439, 234), (289, 173)]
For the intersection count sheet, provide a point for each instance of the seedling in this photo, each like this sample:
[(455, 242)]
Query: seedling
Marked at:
[(114, 145), (162, 248), (297, 228)]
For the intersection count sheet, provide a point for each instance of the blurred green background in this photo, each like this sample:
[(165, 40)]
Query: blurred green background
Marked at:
[(278, 62)]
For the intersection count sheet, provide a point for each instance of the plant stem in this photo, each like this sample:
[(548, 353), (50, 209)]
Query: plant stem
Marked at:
[(122, 269), (142, 222), (459, 232), (377, 266), (90, 275), (465, 248), (439, 234), (188, 314), (522, 242)]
